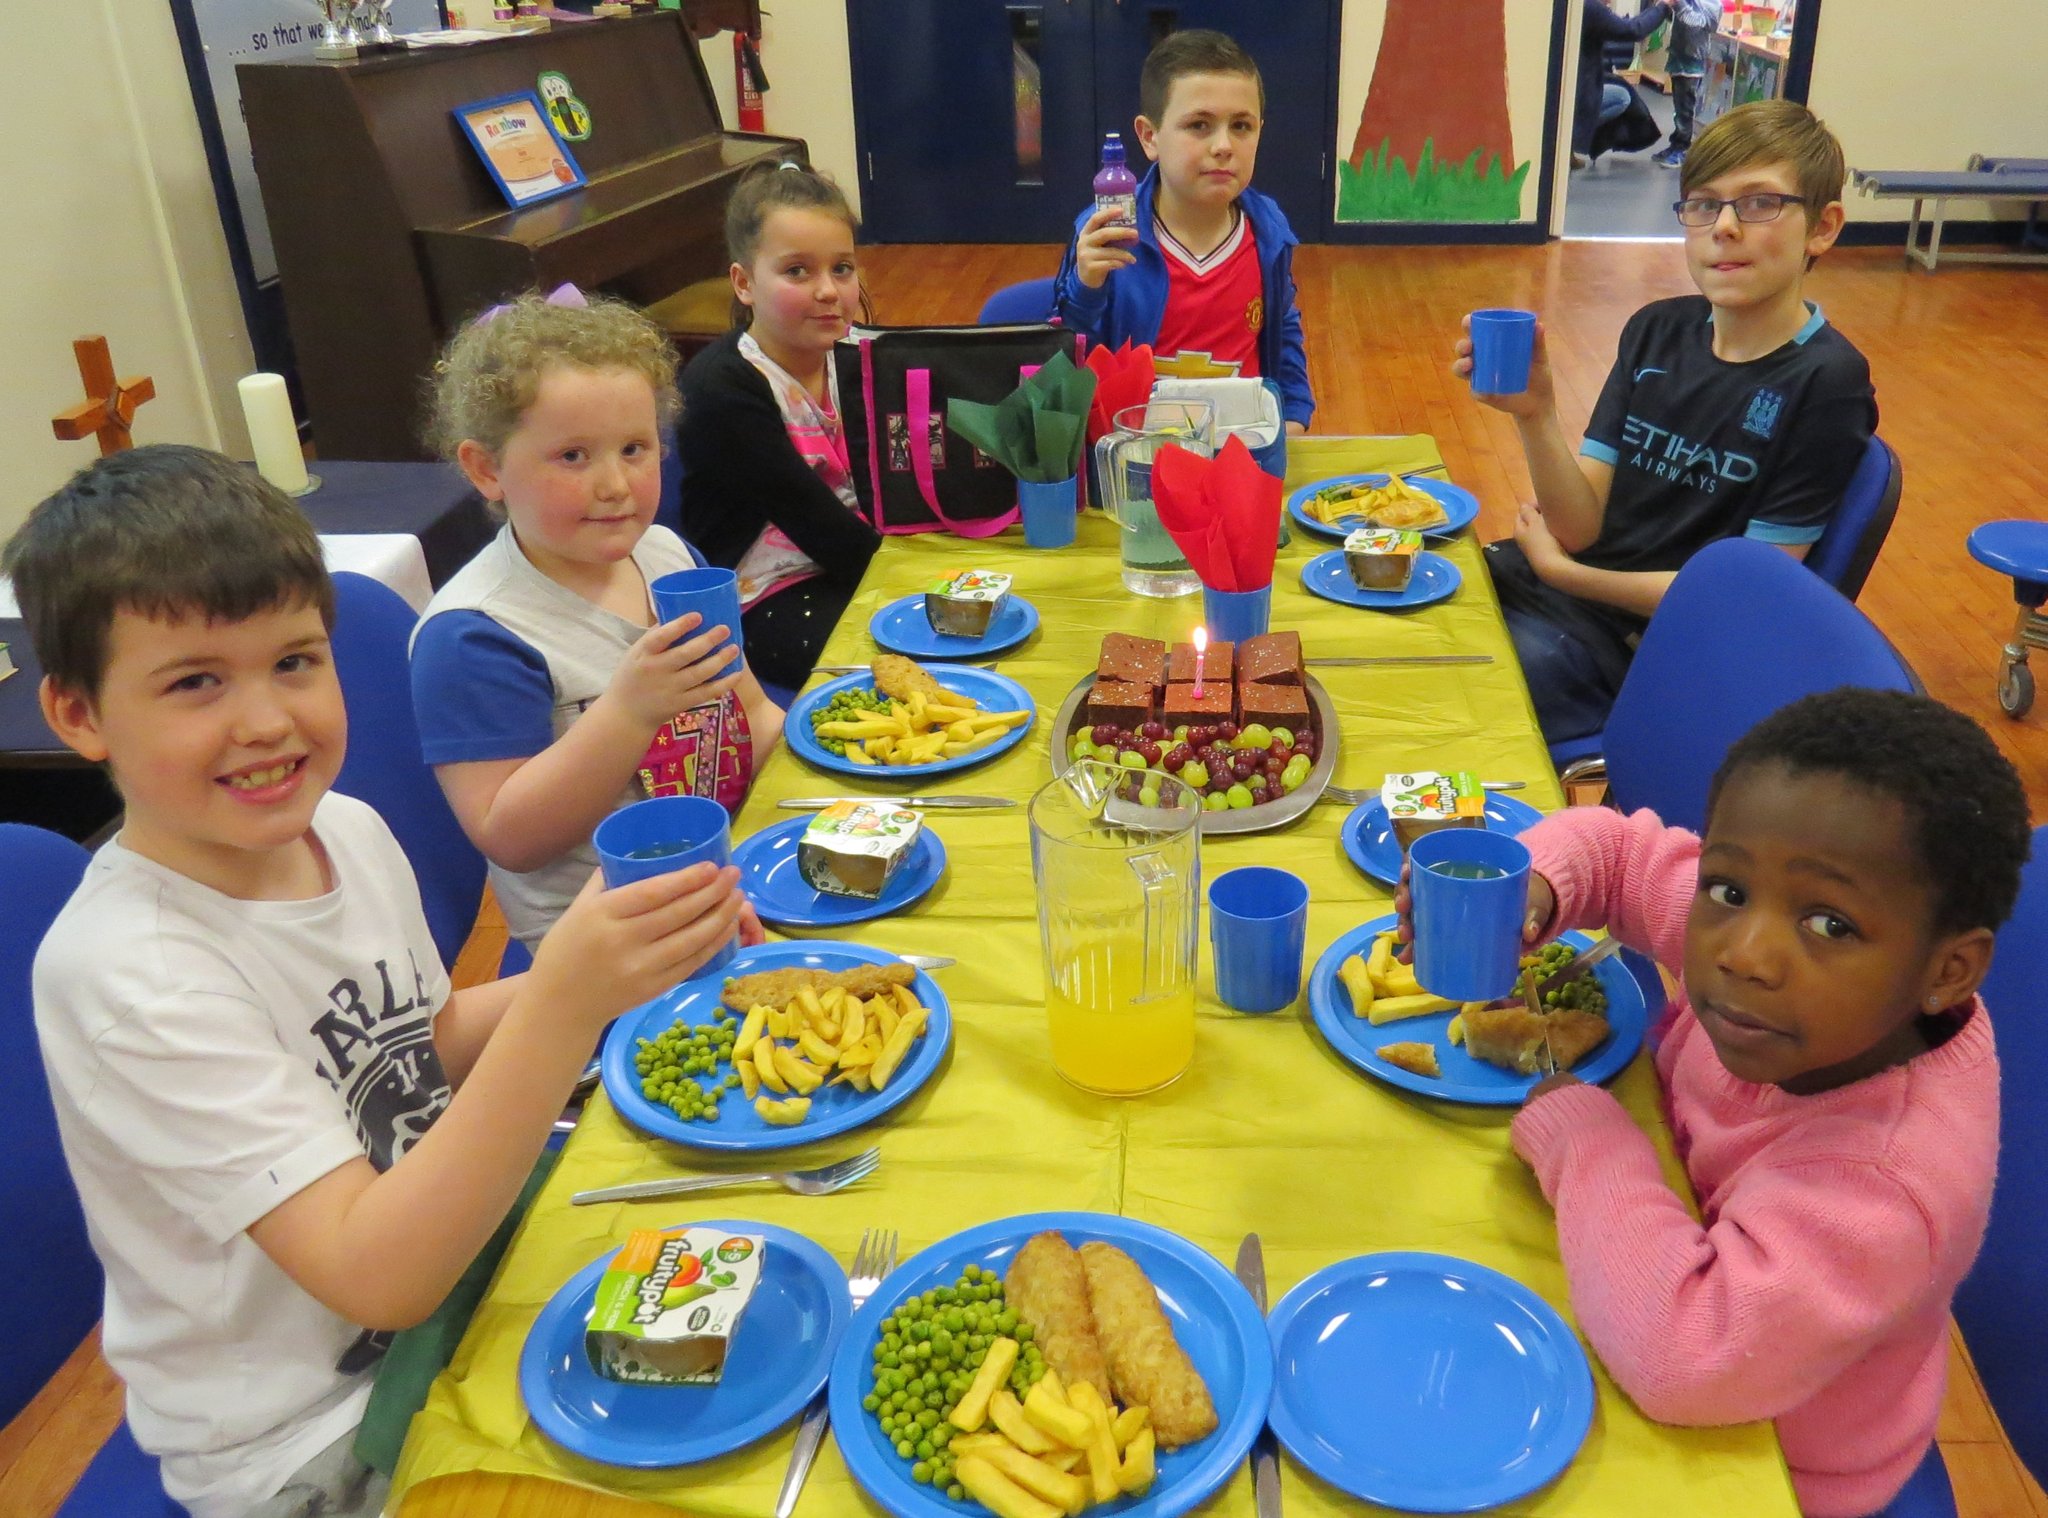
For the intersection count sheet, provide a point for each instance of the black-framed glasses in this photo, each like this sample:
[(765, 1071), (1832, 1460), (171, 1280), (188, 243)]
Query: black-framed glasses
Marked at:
[(1704, 210)]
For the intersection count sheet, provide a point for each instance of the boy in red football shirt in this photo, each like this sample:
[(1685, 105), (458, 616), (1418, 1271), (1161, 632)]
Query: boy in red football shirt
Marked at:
[(1206, 275)]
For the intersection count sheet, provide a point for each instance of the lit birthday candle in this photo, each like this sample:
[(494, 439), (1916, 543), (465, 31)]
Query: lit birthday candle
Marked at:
[(1201, 641)]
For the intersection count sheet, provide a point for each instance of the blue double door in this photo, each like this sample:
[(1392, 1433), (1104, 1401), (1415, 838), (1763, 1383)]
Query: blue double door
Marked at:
[(982, 120)]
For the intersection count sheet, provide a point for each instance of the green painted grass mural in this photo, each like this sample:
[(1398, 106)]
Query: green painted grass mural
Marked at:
[(1383, 189)]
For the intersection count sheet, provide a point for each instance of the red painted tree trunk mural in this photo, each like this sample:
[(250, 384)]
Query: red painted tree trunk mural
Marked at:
[(1442, 78)]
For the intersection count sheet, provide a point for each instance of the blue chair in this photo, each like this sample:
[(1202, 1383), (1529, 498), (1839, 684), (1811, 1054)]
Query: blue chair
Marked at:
[(1030, 301), (121, 1482), (1861, 521), (53, 1298), (1744, 630), (43, 1247), (1998, 1306), (372, 625), (1842, 557), (1927, 1493), (2019, 549), (668, 506)]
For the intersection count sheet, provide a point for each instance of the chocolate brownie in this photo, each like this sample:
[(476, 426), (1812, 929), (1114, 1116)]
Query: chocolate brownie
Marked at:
[(1180, 664), (1270, 659), (1132, 660), (1119, 703), (1183, 706), (1273, 705)]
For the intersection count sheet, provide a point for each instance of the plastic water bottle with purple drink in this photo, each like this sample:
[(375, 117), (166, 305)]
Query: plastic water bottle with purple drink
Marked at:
[(1115, 185)]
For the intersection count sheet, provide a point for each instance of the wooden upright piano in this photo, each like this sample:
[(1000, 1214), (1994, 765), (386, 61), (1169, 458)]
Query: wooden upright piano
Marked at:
[(390, 233)]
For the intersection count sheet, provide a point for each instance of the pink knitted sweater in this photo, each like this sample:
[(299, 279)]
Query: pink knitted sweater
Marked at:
[(1815, 1291)]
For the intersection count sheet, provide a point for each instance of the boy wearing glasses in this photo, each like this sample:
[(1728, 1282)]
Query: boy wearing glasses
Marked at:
[(1737, 412)]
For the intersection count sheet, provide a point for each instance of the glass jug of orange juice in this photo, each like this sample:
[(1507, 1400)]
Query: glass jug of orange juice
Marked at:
[(1116, 857)]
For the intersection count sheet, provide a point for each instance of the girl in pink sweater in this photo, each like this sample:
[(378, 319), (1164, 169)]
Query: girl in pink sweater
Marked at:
[(1829, 1076)]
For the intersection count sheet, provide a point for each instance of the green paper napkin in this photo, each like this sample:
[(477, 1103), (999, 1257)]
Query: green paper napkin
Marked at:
[(1035, 431)]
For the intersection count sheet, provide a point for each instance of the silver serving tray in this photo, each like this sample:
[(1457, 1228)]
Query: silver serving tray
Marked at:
[(1251, 819)]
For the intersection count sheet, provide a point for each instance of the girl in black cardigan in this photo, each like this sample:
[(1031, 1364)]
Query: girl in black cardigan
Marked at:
[(766, 489)]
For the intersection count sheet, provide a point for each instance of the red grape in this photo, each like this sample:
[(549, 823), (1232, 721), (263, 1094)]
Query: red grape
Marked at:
[(1204, 734), (1107, 732), (1147, 750), (1226, 730), (1243, 764), (1155, 730), (1176, 758), (1272, 764)]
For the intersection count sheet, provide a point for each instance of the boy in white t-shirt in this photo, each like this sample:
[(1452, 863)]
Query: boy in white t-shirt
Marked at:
[(287, 1134)]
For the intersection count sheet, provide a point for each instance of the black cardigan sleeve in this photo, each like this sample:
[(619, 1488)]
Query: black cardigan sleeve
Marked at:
[(740, 472)]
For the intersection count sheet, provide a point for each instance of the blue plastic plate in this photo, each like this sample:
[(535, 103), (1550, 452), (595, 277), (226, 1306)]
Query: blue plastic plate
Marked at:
[(776, 1363), (739, 1129), (1459, 504), (1369, 840), (776, 887), (903, 628), (1427, 1383), (1212, 1317), (1464, 1079), (1328, 576), (988, 690)]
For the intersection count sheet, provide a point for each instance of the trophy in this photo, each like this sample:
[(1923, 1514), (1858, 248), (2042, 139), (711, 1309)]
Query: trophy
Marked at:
[(338, 35), (376, 18)]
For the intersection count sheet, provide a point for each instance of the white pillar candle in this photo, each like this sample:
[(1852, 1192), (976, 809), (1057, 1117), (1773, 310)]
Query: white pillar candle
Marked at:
[(272, 432)]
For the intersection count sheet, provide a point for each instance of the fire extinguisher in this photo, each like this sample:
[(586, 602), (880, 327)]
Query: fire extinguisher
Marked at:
[(750, 82)]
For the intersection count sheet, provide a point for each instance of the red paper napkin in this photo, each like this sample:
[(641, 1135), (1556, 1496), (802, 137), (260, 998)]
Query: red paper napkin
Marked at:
[(1222, 513), (1123, 377)]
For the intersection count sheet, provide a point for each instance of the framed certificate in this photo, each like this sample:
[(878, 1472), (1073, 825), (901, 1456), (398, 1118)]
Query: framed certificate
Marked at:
[(519, 147)]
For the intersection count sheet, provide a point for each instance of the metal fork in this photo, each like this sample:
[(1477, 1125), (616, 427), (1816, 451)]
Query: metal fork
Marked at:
[(875, 1258), (815, 1182)]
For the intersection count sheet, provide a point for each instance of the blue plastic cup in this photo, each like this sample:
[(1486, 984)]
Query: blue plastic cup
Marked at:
[(665, 833), (1503, 342), (1258, 925), (714, 594), (1470, 888), (1049, 509), (1234, 615)]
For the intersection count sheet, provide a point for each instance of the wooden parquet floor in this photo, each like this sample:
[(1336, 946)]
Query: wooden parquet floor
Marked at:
[(1960, 361)]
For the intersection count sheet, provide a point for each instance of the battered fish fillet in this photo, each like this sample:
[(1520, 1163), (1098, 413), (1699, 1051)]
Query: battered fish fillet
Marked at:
[(1146, 1363), (1049, 1290), (901, 678), (1512, 1037), (776, 989)]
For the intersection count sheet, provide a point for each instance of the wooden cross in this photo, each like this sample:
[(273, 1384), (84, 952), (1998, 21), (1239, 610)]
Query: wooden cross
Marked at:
[(109, 411)]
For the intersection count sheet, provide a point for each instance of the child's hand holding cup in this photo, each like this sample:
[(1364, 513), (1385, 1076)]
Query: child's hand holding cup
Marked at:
[(615, 949), (1503, 355), (1467, 904), (665, 834)]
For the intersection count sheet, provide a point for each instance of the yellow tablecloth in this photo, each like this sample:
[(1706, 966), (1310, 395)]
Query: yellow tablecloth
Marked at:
[(1268, 1131)]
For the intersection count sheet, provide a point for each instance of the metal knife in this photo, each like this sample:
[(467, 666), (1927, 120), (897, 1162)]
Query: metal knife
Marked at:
[(1578, 965), (953, 803), (1251, 1272), (1359, 662), (928, 961), (1534, 1002)]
